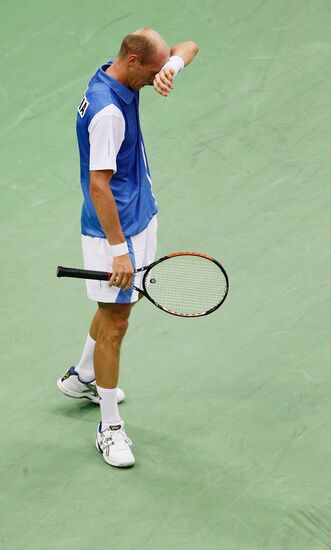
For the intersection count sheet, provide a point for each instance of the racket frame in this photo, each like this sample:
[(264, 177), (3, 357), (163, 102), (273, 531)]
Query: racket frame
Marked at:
[(105, 276), (189, 315)]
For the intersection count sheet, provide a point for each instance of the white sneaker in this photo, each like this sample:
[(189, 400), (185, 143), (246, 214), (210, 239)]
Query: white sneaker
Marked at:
[(114, 444), (71, 385)]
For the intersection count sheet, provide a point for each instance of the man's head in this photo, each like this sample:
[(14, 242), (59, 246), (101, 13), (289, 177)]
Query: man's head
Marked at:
[(143, 53)]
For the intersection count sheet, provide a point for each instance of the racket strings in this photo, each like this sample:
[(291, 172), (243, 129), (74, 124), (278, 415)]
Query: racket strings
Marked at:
[(187, 285)]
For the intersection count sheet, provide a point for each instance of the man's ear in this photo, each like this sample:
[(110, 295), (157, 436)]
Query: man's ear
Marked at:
[(132, 59)]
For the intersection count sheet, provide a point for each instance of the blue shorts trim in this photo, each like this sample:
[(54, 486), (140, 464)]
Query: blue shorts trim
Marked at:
[(124, 296)]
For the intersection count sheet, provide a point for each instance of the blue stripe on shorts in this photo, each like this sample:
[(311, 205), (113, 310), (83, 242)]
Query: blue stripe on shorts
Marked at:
[(124, 296)]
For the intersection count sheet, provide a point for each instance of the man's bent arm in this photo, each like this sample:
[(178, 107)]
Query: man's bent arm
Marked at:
[(164, 81), (186, 50)]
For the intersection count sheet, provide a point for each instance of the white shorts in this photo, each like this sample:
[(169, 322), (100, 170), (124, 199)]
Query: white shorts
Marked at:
[(97, 256)]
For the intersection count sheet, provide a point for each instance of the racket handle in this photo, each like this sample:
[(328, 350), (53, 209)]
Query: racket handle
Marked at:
[(82, 273)]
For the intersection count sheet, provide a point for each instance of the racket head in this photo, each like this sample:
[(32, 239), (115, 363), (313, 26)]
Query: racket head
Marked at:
[(186, 284)]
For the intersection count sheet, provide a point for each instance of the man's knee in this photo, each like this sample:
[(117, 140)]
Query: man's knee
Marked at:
[(120, 326), (113, 322), (114, 325)]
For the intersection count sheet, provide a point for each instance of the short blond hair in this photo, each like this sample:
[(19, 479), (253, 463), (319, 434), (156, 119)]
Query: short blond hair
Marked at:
[(139, 44), (146, 43)]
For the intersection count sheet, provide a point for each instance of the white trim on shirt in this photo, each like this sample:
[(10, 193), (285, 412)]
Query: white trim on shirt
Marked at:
[(106, 135)]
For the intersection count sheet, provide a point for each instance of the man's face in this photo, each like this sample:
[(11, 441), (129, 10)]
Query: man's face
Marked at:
[(143, 75)]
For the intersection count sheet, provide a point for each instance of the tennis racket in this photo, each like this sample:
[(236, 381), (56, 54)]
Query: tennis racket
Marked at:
[(186, 284)]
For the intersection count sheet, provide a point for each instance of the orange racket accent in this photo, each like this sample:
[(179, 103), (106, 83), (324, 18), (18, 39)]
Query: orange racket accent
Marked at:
[(189, 254)]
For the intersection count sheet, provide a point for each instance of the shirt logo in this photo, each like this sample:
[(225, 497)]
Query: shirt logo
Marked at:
[(82, 107)]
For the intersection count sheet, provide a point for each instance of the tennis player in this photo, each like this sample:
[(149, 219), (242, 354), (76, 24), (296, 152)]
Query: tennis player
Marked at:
[(118, 219)]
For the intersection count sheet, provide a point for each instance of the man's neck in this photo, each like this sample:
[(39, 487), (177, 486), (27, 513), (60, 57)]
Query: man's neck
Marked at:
[(117, 71)]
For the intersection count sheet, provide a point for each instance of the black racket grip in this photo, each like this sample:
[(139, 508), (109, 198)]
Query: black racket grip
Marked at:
[(82, 273)]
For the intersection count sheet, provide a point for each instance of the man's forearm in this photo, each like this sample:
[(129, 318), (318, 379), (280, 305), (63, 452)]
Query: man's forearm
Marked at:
[(186, 50), (106, 209)]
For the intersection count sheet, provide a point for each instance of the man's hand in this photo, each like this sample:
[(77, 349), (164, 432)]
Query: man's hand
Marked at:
[(164, 81), (122, 272)]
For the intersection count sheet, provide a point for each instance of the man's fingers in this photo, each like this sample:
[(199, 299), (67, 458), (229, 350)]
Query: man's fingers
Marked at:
[(123, 272), (121, 280), (126, 284), (124, 281), (116, 279), (168, 79), (170, 73), (113, 278), (160, 86), (161, 91), (163, 82)]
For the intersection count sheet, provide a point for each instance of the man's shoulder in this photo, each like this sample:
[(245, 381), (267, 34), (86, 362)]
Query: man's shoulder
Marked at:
[(99, 96), (99, 101)]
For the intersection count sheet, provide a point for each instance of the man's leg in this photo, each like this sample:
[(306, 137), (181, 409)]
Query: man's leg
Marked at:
[(79, 381), (93, 332), (112, 440), (85, 367), (111, 321), (94, 325)]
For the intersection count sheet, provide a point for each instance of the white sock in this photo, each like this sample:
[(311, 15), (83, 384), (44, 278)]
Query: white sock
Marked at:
[(108, 407), (85, 366)]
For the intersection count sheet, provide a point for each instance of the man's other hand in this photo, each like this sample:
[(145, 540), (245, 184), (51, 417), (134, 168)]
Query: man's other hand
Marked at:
[(164, 81)]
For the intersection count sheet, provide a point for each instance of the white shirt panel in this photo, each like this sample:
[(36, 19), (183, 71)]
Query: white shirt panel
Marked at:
[(106, 135)]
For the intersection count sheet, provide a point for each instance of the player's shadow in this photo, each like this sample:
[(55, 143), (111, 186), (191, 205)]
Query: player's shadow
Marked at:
[(78, 409)]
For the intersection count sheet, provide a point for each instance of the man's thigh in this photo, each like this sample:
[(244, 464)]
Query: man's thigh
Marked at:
[(111, 312)]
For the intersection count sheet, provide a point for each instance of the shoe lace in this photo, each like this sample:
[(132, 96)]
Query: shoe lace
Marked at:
[(116, 437), (90, 388)]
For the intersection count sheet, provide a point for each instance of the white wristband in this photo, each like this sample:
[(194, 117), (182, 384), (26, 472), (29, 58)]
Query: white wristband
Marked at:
[(119, 249), (176, 63)]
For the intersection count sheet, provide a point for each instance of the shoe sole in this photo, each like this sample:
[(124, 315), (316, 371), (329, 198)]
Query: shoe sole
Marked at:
[(112, 463), (77, 395)]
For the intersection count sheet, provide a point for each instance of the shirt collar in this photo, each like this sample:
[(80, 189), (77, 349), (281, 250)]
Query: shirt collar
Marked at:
[(126, 94)]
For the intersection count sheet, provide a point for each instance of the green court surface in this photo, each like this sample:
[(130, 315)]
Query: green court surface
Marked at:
[(229, 414)]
